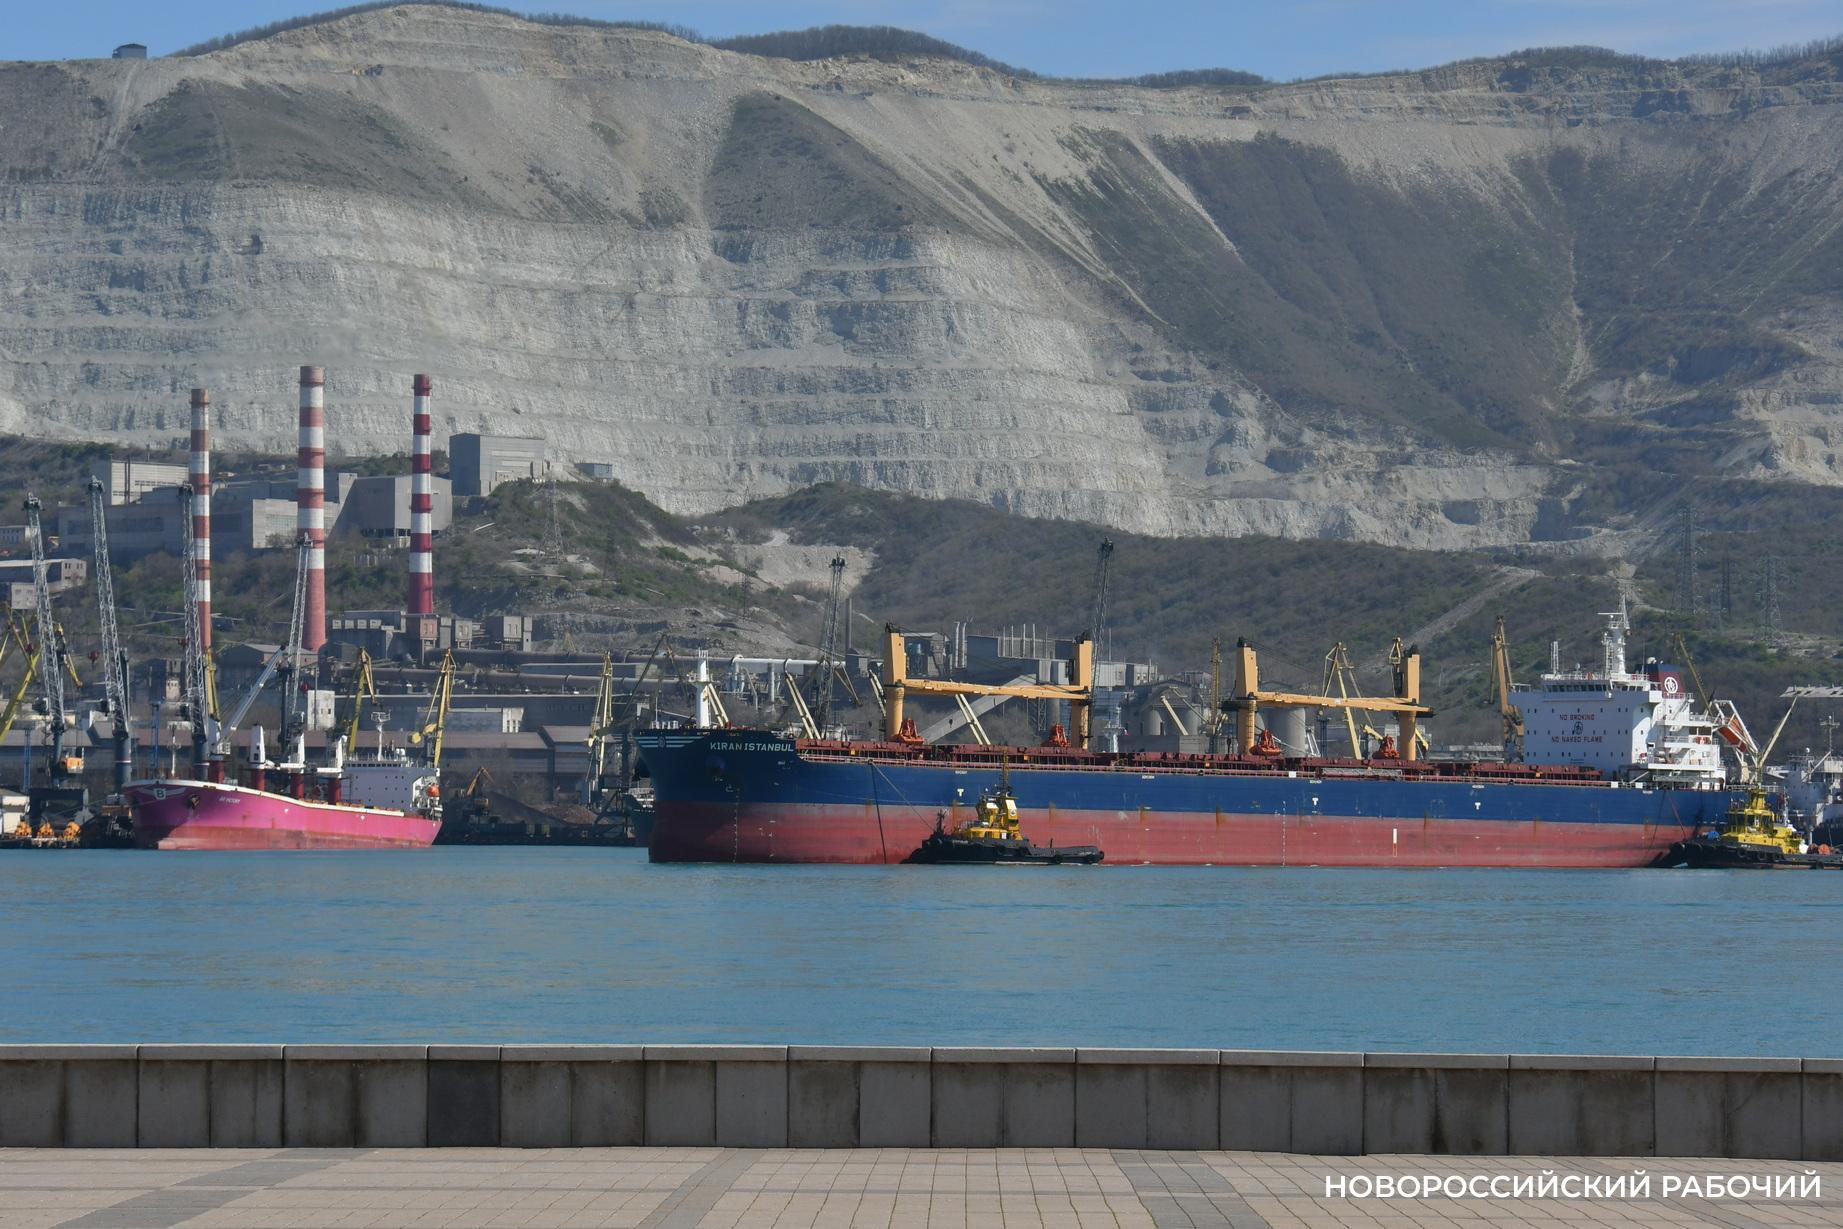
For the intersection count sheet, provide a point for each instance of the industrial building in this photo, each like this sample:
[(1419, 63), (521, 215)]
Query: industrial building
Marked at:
[(378, 506), (263, 513), (127, 482), (480, 463), (17, 582), (154, 522)]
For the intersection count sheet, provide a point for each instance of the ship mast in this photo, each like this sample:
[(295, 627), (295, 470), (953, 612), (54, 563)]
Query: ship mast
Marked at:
[(1612, 640)]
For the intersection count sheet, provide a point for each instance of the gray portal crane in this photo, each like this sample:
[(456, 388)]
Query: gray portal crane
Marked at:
[(115, 657), (828, 651), (54, 654)]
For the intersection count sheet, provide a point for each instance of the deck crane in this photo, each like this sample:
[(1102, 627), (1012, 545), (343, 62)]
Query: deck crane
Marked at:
[(200, 675), (50, 641), (292, 723), (286, 660), (1248, 698), (1502, 687), (115, 658)]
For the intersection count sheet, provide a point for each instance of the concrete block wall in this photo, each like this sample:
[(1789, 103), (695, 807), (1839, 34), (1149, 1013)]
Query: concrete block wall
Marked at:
[(340, 1096)]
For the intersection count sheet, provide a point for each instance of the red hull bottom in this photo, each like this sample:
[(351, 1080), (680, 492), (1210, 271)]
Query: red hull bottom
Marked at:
[(696, 832)]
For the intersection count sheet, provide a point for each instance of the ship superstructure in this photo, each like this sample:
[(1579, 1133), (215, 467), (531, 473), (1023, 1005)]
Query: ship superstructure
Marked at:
[(1641, 727)]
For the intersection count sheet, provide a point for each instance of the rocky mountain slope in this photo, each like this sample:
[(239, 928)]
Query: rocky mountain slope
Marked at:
[(1494, 303)]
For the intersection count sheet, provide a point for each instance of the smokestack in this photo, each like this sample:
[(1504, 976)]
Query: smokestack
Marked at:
[(310, 503), (422, 507), (200, 471)]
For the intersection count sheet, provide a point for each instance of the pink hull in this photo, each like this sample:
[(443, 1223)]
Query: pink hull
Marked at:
[(697, 832), (202, 815)]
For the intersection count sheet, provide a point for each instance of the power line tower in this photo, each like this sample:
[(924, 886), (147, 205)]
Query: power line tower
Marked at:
[(1687, 562), (1769, 594), (1724, 607)]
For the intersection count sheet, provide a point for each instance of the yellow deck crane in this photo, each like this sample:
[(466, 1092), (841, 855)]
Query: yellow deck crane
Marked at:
[(1078, 691), (1248, 698), (1502, 687)]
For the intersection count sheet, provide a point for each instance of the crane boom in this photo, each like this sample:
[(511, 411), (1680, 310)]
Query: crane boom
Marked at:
[(435, 717), (365, 683), (115, 657), (26, 679), (828, 649), (50, 639), (1502, 685)]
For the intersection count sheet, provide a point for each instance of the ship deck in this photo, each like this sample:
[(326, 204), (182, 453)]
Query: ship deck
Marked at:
[(964, 755)]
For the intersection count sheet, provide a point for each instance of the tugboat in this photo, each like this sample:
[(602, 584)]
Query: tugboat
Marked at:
[(1753, 837), (992, 837)]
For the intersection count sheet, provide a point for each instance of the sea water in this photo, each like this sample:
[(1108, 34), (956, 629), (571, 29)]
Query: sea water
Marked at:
[(595, 945)]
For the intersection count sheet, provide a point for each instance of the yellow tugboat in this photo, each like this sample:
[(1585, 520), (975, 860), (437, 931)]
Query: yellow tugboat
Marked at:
[(994, 836), (1753, 836)]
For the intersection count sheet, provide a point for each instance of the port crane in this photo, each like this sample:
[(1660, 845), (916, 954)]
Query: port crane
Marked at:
[(820, 719), (364, 683), (115, 657), (285, 660), (1097, 614), (435, 717), (1502, 687), (50, 641), (16, 635)]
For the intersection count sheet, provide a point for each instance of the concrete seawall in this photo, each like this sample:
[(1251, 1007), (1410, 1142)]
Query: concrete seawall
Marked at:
[(337, 1096)]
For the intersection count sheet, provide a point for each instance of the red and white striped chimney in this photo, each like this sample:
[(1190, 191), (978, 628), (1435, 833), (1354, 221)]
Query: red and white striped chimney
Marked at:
[(422, 507), (200, 473), (310, 503)]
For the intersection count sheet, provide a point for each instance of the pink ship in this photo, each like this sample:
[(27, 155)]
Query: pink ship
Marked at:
[(387, 801), (180, 814)]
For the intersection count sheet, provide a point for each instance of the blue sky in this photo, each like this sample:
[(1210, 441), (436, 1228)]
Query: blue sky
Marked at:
[(1071, 37)]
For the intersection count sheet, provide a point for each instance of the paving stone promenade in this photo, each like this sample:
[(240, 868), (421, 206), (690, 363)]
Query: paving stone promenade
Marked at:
[(892, 1188)]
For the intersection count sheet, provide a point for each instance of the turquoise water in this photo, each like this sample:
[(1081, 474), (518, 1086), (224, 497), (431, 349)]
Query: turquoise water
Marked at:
[(496, 945)]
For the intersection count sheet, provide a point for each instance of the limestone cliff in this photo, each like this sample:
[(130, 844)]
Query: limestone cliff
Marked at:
[(1473, 306)]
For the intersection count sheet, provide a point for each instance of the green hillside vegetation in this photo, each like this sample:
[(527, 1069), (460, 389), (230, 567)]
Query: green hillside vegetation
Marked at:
[(943, 561)]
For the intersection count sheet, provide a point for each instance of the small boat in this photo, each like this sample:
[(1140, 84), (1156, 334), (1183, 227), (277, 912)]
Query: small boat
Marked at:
[(992, 837), (1753, 837)]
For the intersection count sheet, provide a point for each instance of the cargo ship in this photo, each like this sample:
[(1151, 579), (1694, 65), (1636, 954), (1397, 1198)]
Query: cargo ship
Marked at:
[(1618, 766), (385, 801), (382, 803)]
